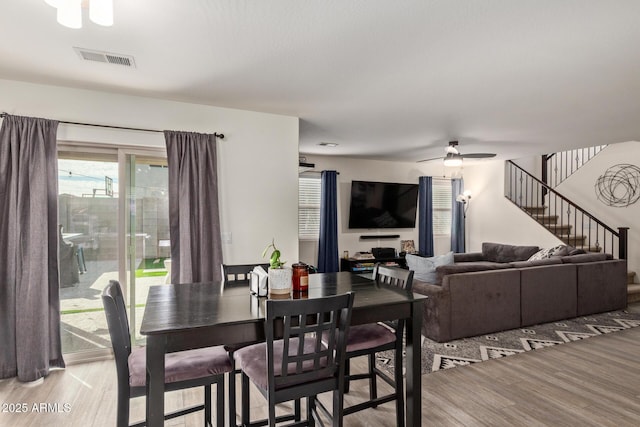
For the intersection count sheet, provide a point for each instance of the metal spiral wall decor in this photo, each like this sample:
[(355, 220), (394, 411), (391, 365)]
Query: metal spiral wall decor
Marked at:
[(619, 186)]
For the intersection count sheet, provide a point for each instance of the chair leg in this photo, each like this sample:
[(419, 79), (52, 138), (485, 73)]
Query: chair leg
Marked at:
[(232, 394), (207, 405), (272, 414), (399, 388), (220, 402), (373, 383), (311, 405), (347, 372), (245, 400), (338, 406), (297, 411), (123, 407)]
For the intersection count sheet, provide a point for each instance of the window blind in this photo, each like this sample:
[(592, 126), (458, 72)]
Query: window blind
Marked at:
[(441, 207), (308, 207)]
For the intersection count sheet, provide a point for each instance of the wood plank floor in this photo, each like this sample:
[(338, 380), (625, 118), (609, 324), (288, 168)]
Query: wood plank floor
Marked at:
[(595, 382)]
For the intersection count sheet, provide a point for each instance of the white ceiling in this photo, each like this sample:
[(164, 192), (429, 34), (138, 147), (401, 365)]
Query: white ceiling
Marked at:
[(383, 79)]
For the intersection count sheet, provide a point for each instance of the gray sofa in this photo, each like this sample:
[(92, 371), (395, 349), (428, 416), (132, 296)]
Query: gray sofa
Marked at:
[(498, 289)]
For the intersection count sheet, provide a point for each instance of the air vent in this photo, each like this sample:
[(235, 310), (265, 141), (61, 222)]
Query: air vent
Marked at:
[(106, 57)]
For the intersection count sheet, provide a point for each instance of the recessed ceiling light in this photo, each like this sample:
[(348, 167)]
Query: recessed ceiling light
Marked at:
[(328, 144)]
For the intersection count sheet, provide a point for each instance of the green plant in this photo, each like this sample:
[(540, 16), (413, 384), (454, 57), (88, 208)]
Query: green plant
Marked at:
[(274, 261)]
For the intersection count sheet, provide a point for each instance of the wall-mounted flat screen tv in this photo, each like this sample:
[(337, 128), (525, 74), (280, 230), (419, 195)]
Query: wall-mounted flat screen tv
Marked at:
[(383, 205)]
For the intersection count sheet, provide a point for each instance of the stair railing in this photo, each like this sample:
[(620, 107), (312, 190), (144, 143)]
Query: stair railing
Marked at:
[(556, 167), (530, 194)]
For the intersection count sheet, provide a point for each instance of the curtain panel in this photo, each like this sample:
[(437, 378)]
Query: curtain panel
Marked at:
[(194, 220), (29, 279), (425, 221), (457, 216), (328, 241)]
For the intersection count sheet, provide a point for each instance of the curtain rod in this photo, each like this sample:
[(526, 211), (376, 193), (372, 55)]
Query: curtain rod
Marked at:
[(218, 135)]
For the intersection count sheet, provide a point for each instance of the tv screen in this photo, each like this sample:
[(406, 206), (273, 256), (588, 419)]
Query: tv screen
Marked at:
[(383, 205)]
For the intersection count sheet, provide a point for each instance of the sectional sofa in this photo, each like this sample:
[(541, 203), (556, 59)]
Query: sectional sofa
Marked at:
[(500, 288)]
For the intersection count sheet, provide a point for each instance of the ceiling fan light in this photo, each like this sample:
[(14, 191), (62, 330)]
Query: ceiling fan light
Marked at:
[(453, 160), (101, 12), (70, 13)]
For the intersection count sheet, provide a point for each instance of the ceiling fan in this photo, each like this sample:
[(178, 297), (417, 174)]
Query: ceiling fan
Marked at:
[(453, 157)]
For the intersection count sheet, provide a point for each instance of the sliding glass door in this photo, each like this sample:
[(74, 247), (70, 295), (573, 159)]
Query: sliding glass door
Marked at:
[(114, 225)]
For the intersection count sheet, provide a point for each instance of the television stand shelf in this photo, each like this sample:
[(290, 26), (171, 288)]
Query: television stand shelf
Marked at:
[(366, 265)]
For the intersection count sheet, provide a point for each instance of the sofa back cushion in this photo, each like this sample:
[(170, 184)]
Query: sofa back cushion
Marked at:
[(590, 257), (424, 269), (498, 252), (468, 267)]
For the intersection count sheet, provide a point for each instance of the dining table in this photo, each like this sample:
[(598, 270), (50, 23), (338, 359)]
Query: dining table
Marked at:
[(185, 316)]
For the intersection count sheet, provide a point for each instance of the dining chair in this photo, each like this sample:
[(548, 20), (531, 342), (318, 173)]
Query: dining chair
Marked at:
[(184, 369), (370, 339), (234, 276), (300, 364)]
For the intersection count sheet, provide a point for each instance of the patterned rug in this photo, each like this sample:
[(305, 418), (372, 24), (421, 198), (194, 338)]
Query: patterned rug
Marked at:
[(437, 356)]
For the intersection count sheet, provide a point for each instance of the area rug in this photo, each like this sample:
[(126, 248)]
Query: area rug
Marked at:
[(462, 352)]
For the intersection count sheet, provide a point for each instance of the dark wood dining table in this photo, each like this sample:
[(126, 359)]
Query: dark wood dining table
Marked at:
[(193, 315)]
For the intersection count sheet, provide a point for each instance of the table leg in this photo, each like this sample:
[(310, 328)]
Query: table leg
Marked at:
[(413, 350), (155, 380)]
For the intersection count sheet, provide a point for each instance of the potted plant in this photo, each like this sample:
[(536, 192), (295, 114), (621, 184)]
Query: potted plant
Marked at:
[(279, 275)]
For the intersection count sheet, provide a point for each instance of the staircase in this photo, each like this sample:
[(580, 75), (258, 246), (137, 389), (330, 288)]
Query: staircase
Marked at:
[(556, 167), (560, 230), (560, 216)]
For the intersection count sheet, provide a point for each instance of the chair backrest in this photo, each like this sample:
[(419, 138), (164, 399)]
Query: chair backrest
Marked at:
[(239, 275), (118, 324), (394, 276), (302, 323)]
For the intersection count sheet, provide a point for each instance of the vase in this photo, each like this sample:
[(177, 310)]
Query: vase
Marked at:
[(280, 280)]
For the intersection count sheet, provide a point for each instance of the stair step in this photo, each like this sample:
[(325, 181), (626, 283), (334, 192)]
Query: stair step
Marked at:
[(573, 240), (546, 219), (535, 209), (559, 230), (633, 293)]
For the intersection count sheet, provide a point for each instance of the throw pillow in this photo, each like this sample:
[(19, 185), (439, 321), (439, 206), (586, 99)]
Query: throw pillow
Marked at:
[(547, 253), (424, 269)]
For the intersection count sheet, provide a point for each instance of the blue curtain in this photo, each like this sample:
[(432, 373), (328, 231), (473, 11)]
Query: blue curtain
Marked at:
[(425, 221), (328, 244), (457, 216)]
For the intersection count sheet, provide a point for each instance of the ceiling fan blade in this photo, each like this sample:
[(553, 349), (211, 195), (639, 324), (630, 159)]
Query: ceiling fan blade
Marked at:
[(428, 160), (478, 155)]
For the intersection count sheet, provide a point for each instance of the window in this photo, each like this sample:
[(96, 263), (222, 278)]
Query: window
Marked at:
[(309, 207), (441, 207)]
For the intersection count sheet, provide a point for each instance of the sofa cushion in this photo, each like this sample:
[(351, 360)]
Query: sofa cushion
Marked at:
[(467, 267), (588, 257), (498, 252), (536, 263), (424, 269), (559, 250)]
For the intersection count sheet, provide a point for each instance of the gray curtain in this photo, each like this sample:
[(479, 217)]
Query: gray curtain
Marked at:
[(194, 221), (457, 216), (29, 281)]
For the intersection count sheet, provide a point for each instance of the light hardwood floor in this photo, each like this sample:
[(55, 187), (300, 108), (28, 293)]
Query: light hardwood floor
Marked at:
[(595, 382)]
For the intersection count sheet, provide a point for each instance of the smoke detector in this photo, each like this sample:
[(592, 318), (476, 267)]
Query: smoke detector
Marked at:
[(106, 57)]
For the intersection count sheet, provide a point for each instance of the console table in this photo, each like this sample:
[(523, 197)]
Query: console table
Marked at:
[(366, 265)]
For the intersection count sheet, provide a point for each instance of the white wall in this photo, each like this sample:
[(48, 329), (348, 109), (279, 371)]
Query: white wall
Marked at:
[(493, 218), (580, 188), (257, 160), (369, 170)]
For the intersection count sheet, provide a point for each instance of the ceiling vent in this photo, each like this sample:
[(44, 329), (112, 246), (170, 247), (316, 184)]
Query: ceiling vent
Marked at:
[(106, 57)]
